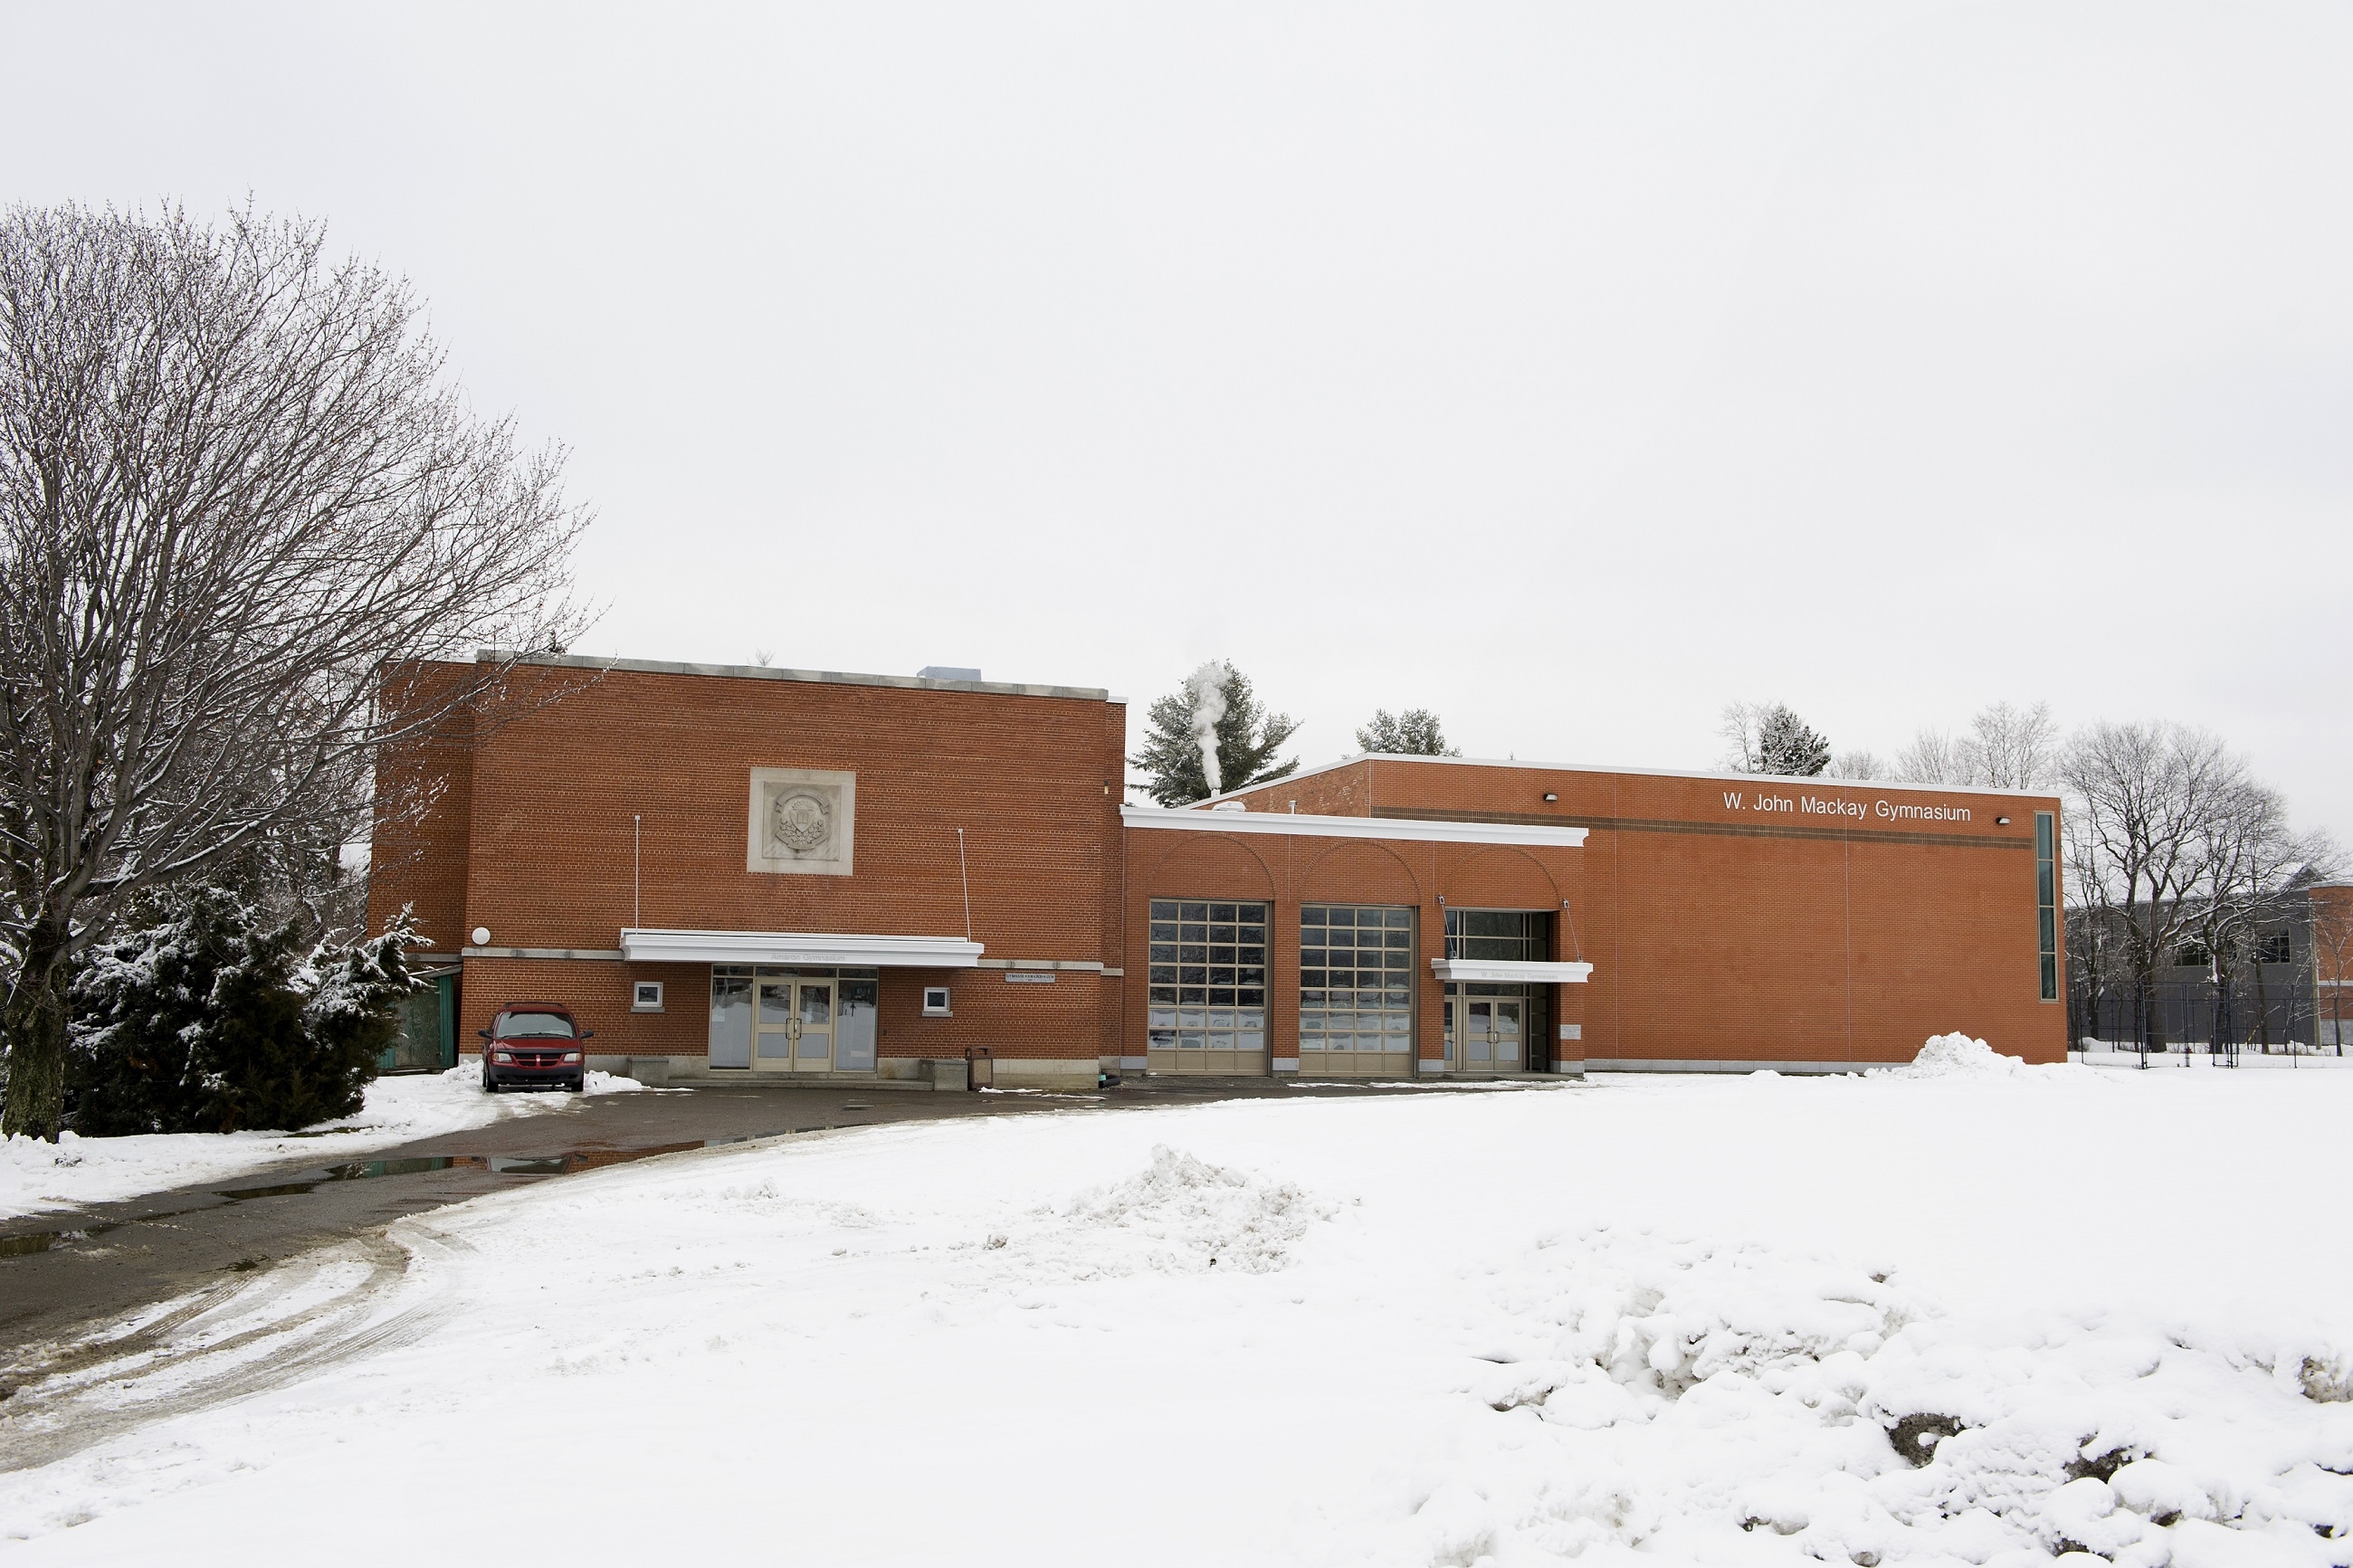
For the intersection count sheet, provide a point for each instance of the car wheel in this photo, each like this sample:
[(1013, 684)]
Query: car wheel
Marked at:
[(578, 1085), (489, 1084)]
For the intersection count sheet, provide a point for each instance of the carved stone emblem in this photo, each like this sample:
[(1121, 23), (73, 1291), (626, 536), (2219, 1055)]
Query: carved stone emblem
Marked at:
[(799, 822), (802, 821)]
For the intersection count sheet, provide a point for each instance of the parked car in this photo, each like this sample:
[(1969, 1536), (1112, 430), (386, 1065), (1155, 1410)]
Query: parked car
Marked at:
[(534, 1042)]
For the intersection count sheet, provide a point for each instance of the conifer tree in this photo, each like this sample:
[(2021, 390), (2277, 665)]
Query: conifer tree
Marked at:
[(1218, 704), (1412, 733)]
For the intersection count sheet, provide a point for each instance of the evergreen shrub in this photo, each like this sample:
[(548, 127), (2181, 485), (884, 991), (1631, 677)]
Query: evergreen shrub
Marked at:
[(213, 1022)]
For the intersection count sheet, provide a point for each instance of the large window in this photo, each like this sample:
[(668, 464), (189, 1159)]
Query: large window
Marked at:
[(2046, 901), (1516, 935), (1356, 979), (1208, 976)]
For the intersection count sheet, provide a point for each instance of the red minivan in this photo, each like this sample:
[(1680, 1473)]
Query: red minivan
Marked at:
[(534, 1042)]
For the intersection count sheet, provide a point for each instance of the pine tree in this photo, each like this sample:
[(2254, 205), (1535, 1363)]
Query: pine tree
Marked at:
[(1247, 737), (1412, 733), (1788, 745)]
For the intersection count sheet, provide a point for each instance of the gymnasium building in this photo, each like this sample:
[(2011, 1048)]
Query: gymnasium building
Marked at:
[(741, 874)]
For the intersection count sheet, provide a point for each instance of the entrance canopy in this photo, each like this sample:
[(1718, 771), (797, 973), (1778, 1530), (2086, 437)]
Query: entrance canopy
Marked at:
[(848, 952), (1510, 972)]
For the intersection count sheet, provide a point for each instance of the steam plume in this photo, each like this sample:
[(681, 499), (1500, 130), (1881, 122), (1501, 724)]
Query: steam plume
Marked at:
[(1208, 685)]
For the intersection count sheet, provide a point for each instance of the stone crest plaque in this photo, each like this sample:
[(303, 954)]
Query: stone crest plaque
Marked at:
[(802, 821)]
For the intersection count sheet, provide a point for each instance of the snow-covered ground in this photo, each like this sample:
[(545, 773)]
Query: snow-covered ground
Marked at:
[(36, 1175), (1658, 1320)]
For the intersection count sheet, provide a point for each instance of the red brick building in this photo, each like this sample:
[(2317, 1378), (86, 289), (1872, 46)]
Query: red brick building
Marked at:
[(789, 874)]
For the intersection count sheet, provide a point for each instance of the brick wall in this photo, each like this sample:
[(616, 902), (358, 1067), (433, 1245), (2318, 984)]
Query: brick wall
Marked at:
[(557, 768), (1723, 931)]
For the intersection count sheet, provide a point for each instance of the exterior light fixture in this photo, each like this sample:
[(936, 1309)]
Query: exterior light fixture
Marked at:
[(1549, 796), (2001, 822), (481, 936)]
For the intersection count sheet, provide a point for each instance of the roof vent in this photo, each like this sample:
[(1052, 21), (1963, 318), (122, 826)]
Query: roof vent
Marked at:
[(947, 673)]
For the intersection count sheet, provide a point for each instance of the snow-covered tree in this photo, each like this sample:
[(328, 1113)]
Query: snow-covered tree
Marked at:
[(1217, 714), (215, 1021), (1767, 738), (1412, 733)]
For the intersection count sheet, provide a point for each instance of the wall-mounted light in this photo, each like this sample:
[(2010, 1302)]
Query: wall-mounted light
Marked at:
[(481, 936), (1551, 796), (2001, 822)]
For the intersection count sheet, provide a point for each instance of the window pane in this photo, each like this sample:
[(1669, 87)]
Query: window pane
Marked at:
[(1222, 912), (1313, 915)]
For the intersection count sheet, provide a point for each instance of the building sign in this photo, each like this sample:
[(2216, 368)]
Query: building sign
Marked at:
[(1028, 977), (1840, 809), (803, 822)]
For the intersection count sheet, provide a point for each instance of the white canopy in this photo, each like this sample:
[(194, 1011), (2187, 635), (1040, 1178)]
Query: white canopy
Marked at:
[(853, 951), (1510, 972)]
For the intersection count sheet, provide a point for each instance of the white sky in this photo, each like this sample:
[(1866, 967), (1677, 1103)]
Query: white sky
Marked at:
[(1569, 369)]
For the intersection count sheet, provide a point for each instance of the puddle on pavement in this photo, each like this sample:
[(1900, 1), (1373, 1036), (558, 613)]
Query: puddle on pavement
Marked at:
[(569, 1163)]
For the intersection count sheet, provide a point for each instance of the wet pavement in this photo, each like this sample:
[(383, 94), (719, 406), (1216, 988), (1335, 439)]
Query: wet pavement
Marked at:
[(64, 1268)]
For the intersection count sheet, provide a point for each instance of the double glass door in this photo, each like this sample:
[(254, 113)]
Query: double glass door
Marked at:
[(794, 1026), (1485, 1033)]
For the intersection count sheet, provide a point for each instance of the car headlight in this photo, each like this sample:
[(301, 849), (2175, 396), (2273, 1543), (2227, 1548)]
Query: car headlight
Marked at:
[(572, 1055), (502, 1057)]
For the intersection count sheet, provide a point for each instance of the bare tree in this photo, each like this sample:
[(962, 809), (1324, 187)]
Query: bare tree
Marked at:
[(2013, 748), (2247, 856), (2006, 748), (2144, 800), (239, 502), (1934, 757), (1856, 764)]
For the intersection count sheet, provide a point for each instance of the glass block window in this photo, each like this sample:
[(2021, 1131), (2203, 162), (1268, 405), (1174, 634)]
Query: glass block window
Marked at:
[(1356, 978), (2046, 902), (1208, 975)]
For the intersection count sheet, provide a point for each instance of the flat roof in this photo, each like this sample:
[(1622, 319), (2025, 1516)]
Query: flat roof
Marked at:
[(1791, 779), (769, 672)]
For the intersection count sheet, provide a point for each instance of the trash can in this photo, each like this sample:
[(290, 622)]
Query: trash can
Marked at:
[(979, 1068)]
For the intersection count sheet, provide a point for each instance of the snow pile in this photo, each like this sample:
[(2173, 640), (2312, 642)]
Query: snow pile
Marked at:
[(1957, 1056), (1662, 1391), (1179, 1216), (36, 1175), (616, 1083)]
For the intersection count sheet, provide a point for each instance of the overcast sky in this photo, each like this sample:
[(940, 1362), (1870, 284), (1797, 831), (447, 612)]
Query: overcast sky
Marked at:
[(1569, 370)]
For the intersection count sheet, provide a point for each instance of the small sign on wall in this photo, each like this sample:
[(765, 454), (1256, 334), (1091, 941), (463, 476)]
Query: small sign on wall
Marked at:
[(1028, 977)]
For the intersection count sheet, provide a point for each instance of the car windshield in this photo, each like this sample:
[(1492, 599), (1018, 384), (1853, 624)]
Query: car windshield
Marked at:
[(535, 1026)]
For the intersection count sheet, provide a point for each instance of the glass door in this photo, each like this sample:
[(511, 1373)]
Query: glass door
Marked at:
[(813, 1026), (773, 1051), (795, 1025), (1485, 1033)]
